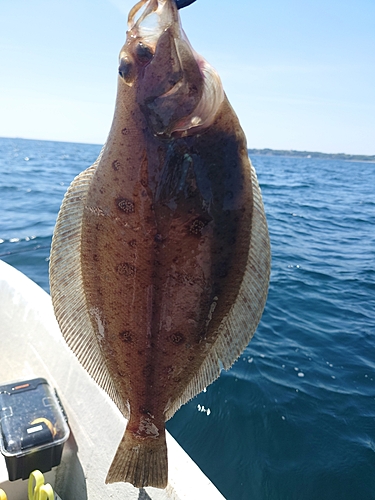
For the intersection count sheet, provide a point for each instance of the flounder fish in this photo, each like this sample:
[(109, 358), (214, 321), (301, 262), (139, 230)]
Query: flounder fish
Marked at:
[(160, 257)]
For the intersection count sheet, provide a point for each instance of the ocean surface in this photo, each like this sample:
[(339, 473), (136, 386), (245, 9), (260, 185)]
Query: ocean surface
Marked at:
[(295, 416)]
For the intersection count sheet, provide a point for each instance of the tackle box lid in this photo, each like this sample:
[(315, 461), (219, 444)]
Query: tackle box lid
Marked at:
[(31, 418)]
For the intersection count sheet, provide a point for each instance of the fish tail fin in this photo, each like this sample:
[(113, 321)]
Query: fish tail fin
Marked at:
[(140, 461)]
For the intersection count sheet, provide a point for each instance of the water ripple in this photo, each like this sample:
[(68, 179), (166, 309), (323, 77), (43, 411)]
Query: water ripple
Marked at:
[(294, 417)]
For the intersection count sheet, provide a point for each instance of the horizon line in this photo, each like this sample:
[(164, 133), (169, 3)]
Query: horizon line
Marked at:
[(261, 151)]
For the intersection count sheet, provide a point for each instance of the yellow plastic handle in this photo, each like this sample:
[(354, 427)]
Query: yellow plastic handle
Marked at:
[(33, 491), (3, 495), (46, 492)]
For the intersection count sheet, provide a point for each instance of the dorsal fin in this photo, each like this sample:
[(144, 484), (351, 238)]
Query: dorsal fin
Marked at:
[(238, 327), (68, 296)]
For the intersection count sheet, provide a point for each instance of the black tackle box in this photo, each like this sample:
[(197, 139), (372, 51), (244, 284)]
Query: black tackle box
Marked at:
[(33, 427)]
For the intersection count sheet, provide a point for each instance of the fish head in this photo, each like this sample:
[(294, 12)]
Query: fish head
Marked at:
[(177, 91)]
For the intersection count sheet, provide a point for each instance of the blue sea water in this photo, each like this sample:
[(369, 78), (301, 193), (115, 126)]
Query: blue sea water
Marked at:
[(294, 419)]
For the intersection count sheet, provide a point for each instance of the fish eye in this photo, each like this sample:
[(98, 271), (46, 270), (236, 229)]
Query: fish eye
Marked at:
[(144, 53), (125, 69)]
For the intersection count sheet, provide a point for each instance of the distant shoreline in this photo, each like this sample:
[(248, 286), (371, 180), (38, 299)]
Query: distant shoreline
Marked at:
[(311, 154), (263, 152)]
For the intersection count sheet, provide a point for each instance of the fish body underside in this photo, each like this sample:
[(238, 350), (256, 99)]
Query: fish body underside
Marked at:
[(160, 257)]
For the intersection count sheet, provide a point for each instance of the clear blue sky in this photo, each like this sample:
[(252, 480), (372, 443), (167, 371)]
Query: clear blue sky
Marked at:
[(299, 73)]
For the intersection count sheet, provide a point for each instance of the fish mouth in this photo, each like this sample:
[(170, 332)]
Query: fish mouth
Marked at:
[(149, 18), (177, 90)]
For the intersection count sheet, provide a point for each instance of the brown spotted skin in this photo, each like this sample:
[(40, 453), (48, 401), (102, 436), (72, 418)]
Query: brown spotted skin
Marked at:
[(160, 257), (165, 240)]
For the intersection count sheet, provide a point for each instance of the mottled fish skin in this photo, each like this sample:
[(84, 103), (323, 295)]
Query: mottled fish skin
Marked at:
[(160, 258)]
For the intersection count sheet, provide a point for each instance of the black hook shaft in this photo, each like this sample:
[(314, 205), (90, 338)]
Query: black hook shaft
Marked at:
[(183, 3)]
